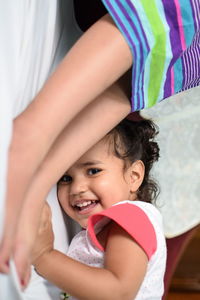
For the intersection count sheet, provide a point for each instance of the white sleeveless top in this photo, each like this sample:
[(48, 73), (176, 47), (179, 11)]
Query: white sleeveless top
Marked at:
[(129, 215)]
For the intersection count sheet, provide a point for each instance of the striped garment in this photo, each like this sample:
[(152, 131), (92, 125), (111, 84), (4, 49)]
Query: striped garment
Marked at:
[(164, 37)]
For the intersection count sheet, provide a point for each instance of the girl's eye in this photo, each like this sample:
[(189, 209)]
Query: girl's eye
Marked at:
[(65, 179), (93, 171)]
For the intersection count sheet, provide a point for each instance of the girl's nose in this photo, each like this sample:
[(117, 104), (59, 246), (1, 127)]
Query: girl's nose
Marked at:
[(77, 187)]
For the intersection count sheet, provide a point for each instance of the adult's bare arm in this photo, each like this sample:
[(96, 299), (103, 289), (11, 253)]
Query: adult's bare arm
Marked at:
[(97, 60)]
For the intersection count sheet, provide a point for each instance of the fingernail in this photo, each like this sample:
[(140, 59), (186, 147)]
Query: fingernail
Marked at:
[(22, 283), (7, 263)]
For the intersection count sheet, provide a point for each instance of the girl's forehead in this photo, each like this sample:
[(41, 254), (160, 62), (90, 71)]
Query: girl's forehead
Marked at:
[(97, 154)]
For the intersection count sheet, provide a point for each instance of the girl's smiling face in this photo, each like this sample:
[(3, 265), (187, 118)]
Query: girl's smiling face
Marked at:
[(96, 182)]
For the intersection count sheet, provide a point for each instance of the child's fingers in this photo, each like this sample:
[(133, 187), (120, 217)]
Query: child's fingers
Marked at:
[(45, 237), (45, 220)]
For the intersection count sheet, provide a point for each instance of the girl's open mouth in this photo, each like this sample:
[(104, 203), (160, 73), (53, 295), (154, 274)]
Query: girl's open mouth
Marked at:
[(85, 206)]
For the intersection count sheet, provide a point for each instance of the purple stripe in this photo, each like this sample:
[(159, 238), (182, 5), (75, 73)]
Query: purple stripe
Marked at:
[(140, 102), (194, 15), (129, 39), (191, 62), (130, 4), (195, 5), (119, 21), (171, 17), (183, 70), (140, 86), (133, 44), (195, 67)]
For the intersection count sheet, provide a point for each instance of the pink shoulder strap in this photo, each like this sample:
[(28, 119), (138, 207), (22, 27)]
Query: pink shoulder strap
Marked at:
[(133, 220)]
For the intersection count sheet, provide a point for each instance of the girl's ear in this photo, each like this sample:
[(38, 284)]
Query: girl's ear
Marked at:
[(136, 174)]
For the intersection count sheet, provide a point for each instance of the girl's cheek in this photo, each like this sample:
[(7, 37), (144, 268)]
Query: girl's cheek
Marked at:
[(62, 198), (104, 183)]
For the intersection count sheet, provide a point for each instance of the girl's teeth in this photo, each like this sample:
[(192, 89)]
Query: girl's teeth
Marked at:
[(84, 204)]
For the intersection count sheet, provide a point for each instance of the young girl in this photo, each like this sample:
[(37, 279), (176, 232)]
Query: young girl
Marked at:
[(160, 38), (120, 252)]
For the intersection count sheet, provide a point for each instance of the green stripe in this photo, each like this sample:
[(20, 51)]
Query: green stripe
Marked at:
[(157, 61)]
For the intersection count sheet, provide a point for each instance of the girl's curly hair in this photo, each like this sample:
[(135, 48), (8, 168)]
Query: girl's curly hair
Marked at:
[(134, 140)]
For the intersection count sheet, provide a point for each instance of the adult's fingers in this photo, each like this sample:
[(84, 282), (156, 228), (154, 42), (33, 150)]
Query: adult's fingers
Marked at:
[(5, 254), (21, 255), (26, 234)]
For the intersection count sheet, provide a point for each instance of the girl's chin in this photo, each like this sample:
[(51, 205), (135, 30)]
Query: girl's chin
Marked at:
[(84, 215), (83, 223)]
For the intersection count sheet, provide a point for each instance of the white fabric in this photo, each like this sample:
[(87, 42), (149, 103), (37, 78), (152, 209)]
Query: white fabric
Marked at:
[(178, 169), (83, 250), (34, 35)]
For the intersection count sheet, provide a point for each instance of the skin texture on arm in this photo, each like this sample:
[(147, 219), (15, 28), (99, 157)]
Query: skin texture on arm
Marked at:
[(124, 271), (95, 62)]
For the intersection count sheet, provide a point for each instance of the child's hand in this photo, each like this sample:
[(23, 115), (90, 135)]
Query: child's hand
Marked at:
[(45, 238)]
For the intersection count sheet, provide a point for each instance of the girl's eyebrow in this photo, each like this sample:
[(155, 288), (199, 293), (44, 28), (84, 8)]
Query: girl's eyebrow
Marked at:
[(86, 164), (91, 163)]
